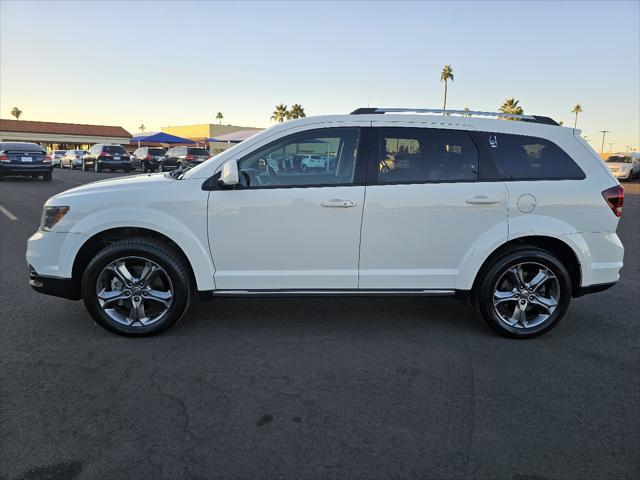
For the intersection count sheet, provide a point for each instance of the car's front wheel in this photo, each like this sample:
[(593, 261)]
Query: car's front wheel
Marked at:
[(136, 287), (524, 293)]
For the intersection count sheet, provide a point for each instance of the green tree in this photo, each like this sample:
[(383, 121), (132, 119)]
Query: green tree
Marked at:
[(577, 109), (281, 113), (297, 111), (219, 117), (511, 106), (445, 76), (16, 112), (466, 109)]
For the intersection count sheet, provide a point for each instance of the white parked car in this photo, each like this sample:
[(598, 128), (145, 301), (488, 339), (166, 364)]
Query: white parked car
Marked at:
[(520, 216), (624, 166), (56, 156), (72, 159), (308, 161)]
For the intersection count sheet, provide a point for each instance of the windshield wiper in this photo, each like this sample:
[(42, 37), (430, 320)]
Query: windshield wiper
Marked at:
[(177, 173)]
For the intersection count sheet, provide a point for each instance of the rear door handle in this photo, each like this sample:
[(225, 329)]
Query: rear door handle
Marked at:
[(483, 200), (337, 203)]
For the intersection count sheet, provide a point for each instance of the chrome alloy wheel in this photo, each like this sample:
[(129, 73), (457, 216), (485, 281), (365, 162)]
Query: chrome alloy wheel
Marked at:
[(526, 295), (134, 291)]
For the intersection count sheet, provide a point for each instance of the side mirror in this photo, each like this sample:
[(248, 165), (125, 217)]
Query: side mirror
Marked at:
[(230, 175)]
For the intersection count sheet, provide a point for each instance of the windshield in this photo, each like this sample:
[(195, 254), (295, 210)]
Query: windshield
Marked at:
[(618, 159), (22, 147), (199, 151), (113, 149)]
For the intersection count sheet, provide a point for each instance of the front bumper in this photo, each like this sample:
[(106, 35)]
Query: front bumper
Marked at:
[(24, 169), (55, 286)]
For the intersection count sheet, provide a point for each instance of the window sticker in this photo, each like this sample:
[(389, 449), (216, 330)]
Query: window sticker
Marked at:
[(493, 141)]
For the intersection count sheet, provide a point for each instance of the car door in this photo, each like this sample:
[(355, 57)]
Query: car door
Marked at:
[(431, 200), (283, 229)]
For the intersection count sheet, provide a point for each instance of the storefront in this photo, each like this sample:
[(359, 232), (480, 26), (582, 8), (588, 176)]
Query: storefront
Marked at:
[(61, 136)]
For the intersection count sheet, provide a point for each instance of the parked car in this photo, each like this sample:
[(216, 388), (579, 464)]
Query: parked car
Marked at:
[(187, 156), (305, 162), (624, 167), (72, 159), (105, 156), (517, 216), (56, 156), (149, 158), (25, 159)]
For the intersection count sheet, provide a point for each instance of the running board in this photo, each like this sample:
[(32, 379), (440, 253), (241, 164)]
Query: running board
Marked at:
[(326, 293)]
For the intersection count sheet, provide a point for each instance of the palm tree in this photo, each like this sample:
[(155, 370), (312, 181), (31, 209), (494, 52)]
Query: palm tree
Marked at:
[(445, 76), (219, 117), (16, 112), (297, 111), (281, 113), (466, 109), (142, 127), (577, 109), (511, 106)]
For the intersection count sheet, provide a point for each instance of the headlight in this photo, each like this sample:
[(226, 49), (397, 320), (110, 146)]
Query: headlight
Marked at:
[(51, 216)]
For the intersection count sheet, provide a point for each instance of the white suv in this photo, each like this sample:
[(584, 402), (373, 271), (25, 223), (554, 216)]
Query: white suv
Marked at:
[(520, 216)]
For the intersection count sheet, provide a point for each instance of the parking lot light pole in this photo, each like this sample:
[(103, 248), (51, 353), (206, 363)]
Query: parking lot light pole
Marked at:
[(603, 132)]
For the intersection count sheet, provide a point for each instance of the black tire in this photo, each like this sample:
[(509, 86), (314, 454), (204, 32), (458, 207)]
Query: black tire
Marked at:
[(487, 283), (47, 176), (147, 249), (96, 167), (72, 166)]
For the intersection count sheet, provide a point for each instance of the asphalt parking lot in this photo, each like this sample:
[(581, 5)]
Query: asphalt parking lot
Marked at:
[(313, 388)]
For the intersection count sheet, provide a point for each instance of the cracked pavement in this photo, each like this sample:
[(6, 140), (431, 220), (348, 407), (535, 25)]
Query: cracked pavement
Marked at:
[(313, 388)]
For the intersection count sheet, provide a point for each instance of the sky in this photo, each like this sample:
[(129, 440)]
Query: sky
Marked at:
[(174, 63)]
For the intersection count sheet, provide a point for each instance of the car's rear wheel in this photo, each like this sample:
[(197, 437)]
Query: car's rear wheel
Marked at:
[(523, 293), (47, 176), (136, 287)]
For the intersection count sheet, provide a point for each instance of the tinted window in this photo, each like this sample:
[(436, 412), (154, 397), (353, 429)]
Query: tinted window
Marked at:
[(21, 147), (113, 149), (156, 151), (416, 155), (199, 151), (520, 157), (619, 159), (319, 157)]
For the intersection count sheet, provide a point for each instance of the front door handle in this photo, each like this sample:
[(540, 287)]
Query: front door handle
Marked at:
[(483, 200), (337, 203)]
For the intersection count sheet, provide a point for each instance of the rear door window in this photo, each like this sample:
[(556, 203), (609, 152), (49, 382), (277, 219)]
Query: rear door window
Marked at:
[(425, 155), (520, 157)]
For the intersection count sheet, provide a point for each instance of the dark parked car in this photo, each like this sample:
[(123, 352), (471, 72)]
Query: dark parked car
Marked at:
[(187, 156), (149, 158), (104, 156), (22, 158)]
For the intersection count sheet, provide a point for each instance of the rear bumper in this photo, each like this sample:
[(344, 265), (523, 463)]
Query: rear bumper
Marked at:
[(55, 286), (24, 169), (601, 287), (125, 165)]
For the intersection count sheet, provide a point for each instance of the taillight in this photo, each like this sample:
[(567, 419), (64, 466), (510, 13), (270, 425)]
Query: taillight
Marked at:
[(47, 159), (148, 157), (614, 197), (103, 155), (77, 156), (4, 158), (189, 157)]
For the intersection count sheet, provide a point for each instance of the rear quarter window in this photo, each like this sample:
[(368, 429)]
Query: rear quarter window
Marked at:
[(520, 157)]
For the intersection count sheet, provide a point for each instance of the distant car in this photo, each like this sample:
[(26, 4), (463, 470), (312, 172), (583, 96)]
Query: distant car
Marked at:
[(624, 167), (187, 156), (56, 156), (72, 159), (27, 159), (105, 156), (306, 162), (149, 158)]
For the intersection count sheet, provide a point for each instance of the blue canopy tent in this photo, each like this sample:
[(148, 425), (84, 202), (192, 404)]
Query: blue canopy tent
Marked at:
[(161, 137)]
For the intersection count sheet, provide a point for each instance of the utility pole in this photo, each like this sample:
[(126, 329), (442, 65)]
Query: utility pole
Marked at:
[(627, 147), (610, 146), (603, 132)]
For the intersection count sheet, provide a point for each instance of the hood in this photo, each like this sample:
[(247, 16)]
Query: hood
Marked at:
[(128, 185)]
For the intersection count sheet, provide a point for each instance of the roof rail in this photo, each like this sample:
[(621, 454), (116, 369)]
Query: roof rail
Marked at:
[(524, 118)]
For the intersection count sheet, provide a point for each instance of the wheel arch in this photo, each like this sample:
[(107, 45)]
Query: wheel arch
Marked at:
[(101, 239), (556, 246)]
